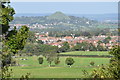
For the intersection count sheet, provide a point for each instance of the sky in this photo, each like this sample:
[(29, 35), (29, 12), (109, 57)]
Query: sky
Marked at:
[(64, 0), (66, 7)]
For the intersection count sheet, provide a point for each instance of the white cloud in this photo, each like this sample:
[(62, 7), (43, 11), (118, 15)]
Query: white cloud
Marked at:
[(64, 0)]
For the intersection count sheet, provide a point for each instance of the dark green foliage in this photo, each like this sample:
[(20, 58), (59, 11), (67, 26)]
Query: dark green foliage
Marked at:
[(6, 15), (5, 72), (92, 47), (25, 77), (40, 59), (99, 42), (57, 61), (106, 40), (39, 49), (101, 48), (86, 34), (6, 60), (112, 70), (112, 60), (84, 46), (30, 48), (47, 50), (50, 59), (29, 54), (116, 52), (40, 42), (31, 38), (17, 40), (69, 61), (12, 40), (114, 66), (65, 47), (92, 63)]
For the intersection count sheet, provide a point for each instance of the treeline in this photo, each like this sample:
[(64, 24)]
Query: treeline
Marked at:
[(85, 46), (84, 32)]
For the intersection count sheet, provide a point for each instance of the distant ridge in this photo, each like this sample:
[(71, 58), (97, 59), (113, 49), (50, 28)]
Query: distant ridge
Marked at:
[(98, 17), (58, 16)]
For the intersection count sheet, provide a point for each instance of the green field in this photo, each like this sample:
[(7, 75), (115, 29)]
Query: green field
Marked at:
[(59, 71), (87, 53)]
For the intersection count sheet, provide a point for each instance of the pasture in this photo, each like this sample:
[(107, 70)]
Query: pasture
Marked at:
[(61, 70), (86, 53)]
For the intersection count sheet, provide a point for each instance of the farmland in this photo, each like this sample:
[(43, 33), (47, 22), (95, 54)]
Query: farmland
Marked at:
[(61, 70), (86, 53)]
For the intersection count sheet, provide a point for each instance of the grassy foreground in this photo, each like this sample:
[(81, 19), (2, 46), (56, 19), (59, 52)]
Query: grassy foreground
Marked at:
[(59, 71)]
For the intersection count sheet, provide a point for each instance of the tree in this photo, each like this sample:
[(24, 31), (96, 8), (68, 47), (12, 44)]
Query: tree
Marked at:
[(40, 59), (92, 47), (84, 46), (101, 48), (92, 63), (31, 38), (40, 42), (86, 34), (13, 40), (57, 61), (65, 47), (6, 15), (112, 70), (99, 42), (17, 40), (77, 47), (30, 48), (51, 57), (107, 39), (69, 61)]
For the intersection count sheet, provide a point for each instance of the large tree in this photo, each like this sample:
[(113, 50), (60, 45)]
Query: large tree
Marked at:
[(12, 40), (65, 47), (6, 15), (112, 71)]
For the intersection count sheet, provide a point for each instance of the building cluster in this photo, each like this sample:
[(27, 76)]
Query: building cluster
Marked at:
[(33, 26), (58, 41)]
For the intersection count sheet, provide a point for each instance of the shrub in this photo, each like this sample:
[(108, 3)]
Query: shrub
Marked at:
[(69, 61), (56, 61), (40, 59), (29, 54), (13, 62), (92, 63)]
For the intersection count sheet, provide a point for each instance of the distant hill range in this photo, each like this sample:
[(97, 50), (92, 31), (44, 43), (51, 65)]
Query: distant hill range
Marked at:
[(57, 19), (61, 21), (113, 17)]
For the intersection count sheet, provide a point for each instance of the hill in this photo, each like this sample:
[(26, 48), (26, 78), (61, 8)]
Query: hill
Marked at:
[(59, 16), (59, 21)]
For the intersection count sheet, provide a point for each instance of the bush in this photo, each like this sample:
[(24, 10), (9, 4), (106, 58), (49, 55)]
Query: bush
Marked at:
[(69, 61), (40, 59), (29, 54), (92, 63), (56, 61), (13, 62)]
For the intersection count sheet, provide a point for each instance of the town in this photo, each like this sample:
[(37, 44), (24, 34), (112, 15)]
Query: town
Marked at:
[(58, 41), (72, 39)]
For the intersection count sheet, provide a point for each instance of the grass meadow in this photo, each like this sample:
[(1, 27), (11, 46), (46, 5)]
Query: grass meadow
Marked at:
[(87, 53), (57, 71)]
